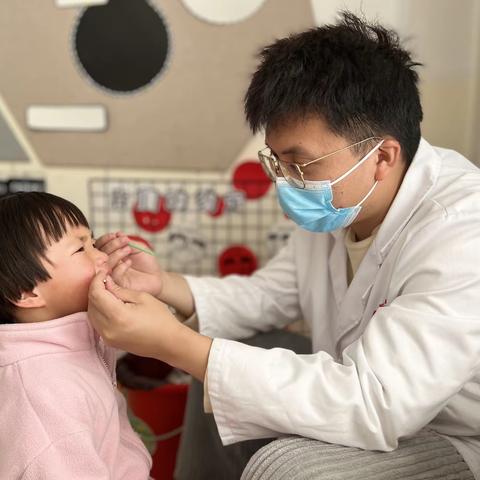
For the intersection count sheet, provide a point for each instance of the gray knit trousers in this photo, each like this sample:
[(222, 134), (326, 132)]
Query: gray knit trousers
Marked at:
[(203, 457), (424, 456)]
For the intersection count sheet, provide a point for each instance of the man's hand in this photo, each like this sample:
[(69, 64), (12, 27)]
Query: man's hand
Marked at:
[(141, 324), (131, 268)]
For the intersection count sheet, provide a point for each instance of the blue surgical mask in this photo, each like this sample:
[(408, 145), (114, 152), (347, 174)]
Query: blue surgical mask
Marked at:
[(312, 207)]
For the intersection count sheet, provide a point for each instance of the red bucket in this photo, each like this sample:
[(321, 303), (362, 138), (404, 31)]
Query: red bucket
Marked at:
[(162, 409)]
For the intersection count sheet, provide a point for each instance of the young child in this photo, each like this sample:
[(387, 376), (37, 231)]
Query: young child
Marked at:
[(62, 416)]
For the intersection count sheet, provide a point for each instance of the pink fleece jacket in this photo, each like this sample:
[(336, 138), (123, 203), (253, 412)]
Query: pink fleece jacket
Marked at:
[(61, 415)]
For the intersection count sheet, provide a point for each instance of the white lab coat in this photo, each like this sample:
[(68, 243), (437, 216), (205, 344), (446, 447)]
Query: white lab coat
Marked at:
[(396, 350)]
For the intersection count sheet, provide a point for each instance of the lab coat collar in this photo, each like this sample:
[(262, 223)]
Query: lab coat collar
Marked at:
[(420, 178), (338, 256)]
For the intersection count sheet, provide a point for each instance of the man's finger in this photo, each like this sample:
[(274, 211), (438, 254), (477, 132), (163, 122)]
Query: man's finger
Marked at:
[(98, 280), (124, 294), (98, 296), (113, 244), (121, 269), (102, 322), (116, 257), (97, 318), (103, 240)]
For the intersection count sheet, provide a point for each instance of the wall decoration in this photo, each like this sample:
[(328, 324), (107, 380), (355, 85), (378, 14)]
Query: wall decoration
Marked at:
[(176, 103), (182, 222), (250, 178), (208, 201), (177, 200), (150, 210), (14, 185), (223, 11), (277, 237), (118, 199), (76, 118), (26, 185), (185, 246), (122, 46), (237, 260), (79, 3)]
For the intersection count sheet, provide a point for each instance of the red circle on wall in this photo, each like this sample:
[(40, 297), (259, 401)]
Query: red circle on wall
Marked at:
[(237, 259), (250, 179), (153, 221)]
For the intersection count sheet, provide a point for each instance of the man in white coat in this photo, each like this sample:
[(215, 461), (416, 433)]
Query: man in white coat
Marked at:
[(384, 267)]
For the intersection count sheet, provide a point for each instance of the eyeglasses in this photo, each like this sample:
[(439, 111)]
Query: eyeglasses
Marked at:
[(293, 172)]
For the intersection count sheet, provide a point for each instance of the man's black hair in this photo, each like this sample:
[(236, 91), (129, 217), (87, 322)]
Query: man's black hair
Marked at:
[(29, 223), (354, 75)]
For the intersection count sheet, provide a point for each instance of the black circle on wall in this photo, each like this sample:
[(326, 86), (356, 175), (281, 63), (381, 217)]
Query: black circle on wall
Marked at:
[(122, 45)]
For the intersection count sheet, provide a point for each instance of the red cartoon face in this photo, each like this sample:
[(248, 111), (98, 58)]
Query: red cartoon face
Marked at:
[(152, 219), (237, 260)]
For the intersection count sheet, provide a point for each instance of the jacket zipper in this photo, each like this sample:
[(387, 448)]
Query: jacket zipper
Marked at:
[(107, 370)]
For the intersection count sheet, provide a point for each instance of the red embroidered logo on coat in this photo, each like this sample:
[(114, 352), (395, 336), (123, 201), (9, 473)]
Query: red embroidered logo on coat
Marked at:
[(384, 304)]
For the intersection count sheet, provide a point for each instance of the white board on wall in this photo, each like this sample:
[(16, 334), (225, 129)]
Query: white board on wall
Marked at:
[(223, 11), (78, 118), (79, 3)]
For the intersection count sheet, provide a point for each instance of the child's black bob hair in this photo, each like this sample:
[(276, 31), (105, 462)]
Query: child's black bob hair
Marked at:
[(29, 223)]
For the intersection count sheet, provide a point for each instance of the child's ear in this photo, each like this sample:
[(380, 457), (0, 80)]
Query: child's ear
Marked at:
[(31, 299)]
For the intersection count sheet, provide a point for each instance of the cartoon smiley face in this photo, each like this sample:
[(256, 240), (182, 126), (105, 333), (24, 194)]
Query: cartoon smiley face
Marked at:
[(277, 237), (185, 246), (237, 259)]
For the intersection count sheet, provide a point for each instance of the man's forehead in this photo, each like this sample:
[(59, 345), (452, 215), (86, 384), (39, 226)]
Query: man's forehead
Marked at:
[(299, 133), (303, 146)]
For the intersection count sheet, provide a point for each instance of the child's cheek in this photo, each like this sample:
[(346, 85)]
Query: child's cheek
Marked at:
[(85, 277)]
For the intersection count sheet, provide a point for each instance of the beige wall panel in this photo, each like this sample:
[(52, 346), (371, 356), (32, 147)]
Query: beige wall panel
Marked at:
[(191, 118)]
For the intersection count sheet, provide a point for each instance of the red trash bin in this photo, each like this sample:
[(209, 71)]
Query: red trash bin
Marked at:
[(158, 404), (162, 409)]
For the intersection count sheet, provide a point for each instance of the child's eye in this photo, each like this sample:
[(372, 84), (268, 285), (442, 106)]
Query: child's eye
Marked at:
[(81, 249)]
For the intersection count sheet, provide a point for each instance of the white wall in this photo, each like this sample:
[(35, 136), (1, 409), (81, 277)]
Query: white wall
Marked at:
[(444, 36)]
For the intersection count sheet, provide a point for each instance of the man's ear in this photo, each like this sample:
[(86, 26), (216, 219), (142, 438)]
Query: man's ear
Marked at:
[(31, 299), (389, 155)]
